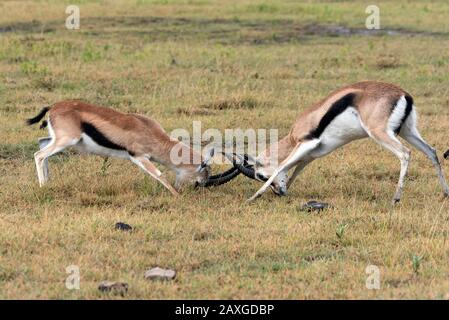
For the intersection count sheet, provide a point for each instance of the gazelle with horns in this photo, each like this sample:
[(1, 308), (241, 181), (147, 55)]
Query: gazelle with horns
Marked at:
[(110, 133), (377, 110)]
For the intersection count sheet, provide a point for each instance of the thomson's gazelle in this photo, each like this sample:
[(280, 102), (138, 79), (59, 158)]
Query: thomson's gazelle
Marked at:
[(110, 133), (377, 110)]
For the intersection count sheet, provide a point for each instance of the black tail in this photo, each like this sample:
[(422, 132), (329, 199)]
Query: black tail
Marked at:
[(39, 117), (446, 154)]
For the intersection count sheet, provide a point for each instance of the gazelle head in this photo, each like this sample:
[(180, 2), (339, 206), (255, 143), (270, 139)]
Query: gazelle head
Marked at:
[(200, 175), (261, 168), (191, 174)]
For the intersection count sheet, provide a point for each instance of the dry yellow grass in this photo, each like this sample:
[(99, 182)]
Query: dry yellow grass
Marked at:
[(172, 59)]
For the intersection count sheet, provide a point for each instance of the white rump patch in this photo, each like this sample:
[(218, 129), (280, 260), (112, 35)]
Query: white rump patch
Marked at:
[(396, 116)]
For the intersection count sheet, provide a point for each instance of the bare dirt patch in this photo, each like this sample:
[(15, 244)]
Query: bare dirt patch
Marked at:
[(226, 31)]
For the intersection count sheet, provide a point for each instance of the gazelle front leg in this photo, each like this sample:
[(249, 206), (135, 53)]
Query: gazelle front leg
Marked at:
[(299, 152), (301, 165), (151, 169)]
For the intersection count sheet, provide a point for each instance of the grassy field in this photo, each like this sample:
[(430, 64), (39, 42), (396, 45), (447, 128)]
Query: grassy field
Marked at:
[(174, 61)]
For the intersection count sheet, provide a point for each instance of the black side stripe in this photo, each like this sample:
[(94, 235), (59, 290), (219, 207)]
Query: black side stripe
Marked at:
[(337, 108), (408, 109), (100, 138)]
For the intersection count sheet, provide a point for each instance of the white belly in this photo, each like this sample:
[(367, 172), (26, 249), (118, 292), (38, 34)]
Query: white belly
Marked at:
[(87, 145), (345, 128)]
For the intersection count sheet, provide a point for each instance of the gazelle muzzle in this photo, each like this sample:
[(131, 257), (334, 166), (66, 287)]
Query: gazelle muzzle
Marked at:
[(248, 171)]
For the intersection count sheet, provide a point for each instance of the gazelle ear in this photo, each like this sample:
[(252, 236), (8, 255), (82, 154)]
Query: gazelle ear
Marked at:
[(207, 159)]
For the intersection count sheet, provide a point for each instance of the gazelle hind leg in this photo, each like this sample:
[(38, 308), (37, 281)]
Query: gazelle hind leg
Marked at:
[(43, 142), (390, 142), (301, 165), (53, 147), (412, 136), (298, 153), (151, 169)]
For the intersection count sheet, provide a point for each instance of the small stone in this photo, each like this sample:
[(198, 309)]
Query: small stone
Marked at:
[(314, 206), (114, 287), (160, 274), (123, 226)]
